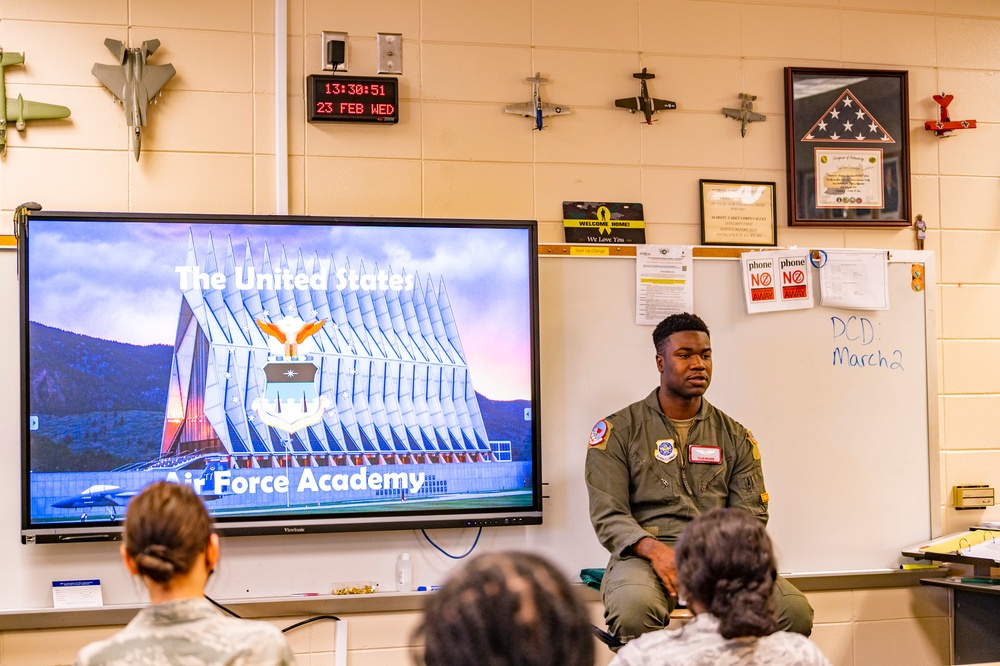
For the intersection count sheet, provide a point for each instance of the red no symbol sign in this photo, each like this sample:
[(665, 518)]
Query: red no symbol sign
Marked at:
[(798, 277)]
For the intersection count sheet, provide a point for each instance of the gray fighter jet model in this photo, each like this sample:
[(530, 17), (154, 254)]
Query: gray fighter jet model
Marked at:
[(644, 103), (134, 82), (20, 110), (745, 112), (536, 109)]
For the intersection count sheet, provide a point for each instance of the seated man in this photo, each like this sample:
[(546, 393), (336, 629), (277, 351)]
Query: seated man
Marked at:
[(656, 465)]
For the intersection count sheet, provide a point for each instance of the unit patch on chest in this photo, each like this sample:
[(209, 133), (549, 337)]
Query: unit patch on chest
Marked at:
[(665, 450)]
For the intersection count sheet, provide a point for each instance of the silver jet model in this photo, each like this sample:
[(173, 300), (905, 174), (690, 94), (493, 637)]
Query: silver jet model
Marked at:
[(133, 82)]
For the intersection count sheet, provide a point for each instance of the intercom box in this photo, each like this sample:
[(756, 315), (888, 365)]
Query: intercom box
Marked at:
[(973, 497)]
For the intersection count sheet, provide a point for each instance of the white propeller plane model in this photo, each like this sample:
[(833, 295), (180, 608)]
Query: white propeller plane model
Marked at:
[(536, 108)]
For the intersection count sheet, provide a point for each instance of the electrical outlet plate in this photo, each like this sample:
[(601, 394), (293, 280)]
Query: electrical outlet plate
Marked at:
[(390, 53), (328, 37)]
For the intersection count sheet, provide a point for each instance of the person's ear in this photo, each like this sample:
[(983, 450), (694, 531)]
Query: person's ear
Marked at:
[(212, 552), (129, 561), (659, 363)]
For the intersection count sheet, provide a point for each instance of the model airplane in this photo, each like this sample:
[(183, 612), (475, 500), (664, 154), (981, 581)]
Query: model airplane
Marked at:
[(536, 108), (19, 110), (945, 125), (648, 105), (134, 82), (745, 113)]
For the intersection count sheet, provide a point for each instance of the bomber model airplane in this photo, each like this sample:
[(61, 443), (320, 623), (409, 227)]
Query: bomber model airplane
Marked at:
[(644, 103), (946, 125), (745, 113), (133, 82), (20, 110), (536, 108)]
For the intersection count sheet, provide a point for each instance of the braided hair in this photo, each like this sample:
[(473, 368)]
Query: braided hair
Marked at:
[(725, 562), (506, 609), (166, 528)]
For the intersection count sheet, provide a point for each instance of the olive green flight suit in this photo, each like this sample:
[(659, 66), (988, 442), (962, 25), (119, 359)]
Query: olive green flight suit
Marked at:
[(642, 483)]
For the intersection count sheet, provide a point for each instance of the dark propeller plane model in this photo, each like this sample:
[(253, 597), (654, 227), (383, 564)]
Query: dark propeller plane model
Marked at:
[(644, 103)]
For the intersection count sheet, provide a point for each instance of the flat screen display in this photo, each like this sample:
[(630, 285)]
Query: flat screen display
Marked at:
[(301, 374)]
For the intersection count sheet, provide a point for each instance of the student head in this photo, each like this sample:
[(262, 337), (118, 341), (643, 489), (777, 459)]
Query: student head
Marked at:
[(506, 609), (725, 566), (683, 356), (168, 536)]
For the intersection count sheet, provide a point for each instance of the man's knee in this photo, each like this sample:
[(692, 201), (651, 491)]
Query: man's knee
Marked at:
[(794, 613), (634, 600)]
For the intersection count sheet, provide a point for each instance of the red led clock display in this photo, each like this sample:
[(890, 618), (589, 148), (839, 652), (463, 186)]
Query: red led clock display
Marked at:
[(353, 99)]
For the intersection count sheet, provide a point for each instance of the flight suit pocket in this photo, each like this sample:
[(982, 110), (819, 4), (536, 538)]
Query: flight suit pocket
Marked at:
[(751, 486), (655, 481)]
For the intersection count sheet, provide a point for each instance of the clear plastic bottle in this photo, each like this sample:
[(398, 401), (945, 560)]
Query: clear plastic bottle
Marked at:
[(404, 573)]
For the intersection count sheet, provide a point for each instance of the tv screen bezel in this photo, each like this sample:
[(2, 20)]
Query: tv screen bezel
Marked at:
[(108, 530)]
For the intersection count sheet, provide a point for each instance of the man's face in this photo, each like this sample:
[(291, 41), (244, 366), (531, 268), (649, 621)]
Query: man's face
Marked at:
[(686, 364)]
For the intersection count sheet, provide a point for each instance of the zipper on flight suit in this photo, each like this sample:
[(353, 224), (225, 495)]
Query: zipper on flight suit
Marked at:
[(684, 476), (654, 468), (704, 486)]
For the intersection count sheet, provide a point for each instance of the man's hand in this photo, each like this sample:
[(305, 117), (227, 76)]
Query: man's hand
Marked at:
[(661, 556)]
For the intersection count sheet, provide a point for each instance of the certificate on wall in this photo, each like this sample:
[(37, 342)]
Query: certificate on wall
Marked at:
[(663, 285), (738, 213), (849, 178)]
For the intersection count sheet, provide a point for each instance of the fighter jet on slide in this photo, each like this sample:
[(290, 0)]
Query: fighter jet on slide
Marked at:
[(97, 496), (20, 110), (114, 497), (536, 108), (134, 82), (648, 105)]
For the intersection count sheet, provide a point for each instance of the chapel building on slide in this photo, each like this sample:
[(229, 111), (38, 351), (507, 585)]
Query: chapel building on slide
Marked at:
[(267, 374)]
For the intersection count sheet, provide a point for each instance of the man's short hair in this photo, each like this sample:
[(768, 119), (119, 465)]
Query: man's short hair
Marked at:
[(676, 323)]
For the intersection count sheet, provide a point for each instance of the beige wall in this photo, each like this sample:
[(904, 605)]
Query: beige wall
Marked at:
[(209, 147)]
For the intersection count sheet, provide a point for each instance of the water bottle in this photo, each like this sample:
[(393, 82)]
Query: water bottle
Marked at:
[(404, 573)]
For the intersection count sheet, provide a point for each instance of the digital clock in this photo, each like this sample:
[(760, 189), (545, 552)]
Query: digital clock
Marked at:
[(353, 99)]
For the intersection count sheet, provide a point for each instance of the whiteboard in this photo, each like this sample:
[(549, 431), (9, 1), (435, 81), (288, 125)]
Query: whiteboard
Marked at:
[(847, 450), (847, 455)]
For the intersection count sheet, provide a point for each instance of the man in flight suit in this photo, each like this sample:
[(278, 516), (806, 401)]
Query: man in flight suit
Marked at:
[(657, 464)]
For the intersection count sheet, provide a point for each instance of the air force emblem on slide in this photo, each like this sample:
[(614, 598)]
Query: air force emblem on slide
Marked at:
[(665, 450)]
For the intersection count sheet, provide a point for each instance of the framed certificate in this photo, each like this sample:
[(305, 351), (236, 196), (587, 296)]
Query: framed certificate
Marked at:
[(848, 147), (738, 212)]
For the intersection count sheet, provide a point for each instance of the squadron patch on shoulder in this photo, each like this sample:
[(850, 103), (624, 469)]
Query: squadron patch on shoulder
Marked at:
[(665, 450), (754, 444), (599, 435)]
